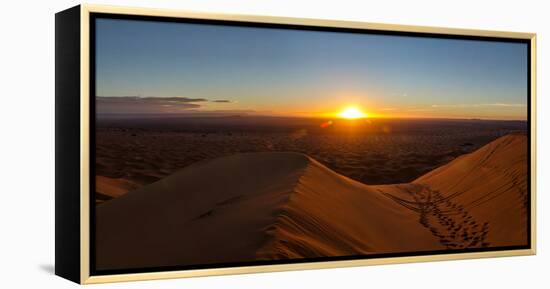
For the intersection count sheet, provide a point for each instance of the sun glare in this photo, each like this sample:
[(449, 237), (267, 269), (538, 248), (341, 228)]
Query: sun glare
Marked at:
[(352, 113)]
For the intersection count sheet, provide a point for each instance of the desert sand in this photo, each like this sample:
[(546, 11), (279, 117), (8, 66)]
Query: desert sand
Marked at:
[(110, 188), (279, 205), (374, 151)]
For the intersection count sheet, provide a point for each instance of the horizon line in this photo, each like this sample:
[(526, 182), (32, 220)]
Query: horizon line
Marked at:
[(228, 115)]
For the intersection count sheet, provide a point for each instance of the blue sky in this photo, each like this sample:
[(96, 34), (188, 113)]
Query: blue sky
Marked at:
[(292, 72)]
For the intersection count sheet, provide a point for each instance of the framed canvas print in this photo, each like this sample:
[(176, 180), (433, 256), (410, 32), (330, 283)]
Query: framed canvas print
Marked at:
[(193, 144)]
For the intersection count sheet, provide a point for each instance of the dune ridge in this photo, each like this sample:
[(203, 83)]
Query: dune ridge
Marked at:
[(277, 205), (109, 188)]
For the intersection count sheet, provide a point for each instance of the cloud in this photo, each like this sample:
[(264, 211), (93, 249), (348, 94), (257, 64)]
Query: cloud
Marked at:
[(420, 109), (505, 104), (148, 99), (149, 104), (478, 105), (221, 100)]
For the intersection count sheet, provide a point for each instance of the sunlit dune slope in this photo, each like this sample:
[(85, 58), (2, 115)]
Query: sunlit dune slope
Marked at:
[(109, 188), (490, 185), (273, 205)]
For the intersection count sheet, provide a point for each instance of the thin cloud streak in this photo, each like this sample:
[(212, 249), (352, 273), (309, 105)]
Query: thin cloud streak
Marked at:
[(149, 99), (148, 104), (477, 105)]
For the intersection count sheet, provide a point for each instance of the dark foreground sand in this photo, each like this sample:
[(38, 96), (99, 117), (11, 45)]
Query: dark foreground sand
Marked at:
[(277, 205)]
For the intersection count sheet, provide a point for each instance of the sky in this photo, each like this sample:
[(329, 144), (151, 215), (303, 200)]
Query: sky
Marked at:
[(161, 67)]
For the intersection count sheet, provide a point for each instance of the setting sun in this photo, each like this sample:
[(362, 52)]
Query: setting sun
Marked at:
[(352, 113)]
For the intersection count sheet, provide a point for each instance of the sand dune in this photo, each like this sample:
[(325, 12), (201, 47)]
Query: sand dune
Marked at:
[(279, 205), (109, 188), (487, 188)]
